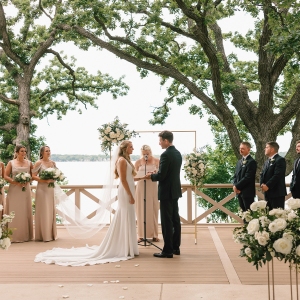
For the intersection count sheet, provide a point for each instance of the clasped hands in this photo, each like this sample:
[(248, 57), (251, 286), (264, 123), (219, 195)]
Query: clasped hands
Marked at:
[(264, 187), (148, 176)]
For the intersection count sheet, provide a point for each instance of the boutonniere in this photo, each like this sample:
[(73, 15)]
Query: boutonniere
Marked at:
[(271, 161), (244, 162)]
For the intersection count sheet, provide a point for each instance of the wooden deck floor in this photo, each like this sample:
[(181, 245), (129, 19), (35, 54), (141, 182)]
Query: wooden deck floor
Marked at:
[(214, 260)]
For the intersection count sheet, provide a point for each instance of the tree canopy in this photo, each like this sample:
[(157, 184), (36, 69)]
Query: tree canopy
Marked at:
[(35, 78), (183, 42)]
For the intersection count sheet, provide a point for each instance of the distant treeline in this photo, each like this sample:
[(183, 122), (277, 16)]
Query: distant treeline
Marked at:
[(83, 157)]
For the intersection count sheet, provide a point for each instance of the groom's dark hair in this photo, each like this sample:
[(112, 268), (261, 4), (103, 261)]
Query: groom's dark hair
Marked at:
[(166, 135)]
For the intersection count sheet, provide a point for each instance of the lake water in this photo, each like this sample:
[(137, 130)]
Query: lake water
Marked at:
[(94, 173)]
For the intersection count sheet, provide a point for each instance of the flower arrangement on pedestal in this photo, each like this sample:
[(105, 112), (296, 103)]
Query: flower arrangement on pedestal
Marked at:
[(267, 234), (5, 232), (113, 133), (195, 167)]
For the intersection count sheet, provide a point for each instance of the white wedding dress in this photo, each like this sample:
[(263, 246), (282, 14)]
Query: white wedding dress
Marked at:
[(119, 243)]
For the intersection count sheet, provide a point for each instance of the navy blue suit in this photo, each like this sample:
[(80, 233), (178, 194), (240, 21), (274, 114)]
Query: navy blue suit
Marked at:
[(273, 175), (169, 191)]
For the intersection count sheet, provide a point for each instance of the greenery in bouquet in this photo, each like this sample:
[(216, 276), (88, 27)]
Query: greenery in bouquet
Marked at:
[(2, 184), (23, 178), (52, 173), (113, 133), (267, 234), (5, 233), (195, 167)]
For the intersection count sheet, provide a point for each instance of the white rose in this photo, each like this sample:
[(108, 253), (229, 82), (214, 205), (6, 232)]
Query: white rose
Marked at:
[(27, 175), (1, 207), (288, 236), (201, 165), (108, 129), (262, 204), (283, 246), (262, 237), (253, 226), (61, 177), (291, 216), (273, 212), (5, 243), (23, 176), (50, 170), (248, 252), (293, 203), (281, 223), (112, 135), (246, 216), (194, 171), (254, 206), (264, 221), (298, 250)]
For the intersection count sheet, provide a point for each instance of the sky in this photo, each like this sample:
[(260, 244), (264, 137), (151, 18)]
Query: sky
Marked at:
[(77, 134)]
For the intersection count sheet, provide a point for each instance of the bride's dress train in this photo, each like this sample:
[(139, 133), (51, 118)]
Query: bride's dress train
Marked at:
[(119, 243)]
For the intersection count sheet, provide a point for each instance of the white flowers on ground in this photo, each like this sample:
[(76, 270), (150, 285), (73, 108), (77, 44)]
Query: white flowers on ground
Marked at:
[(52, 173), (267, 234), (195, 167), (113, 133), (5, 232)]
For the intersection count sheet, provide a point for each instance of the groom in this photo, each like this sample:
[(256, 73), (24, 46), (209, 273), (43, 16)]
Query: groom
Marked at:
[(169, 191)]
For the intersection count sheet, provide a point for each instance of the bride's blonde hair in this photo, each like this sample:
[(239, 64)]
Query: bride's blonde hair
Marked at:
[(123, 153)]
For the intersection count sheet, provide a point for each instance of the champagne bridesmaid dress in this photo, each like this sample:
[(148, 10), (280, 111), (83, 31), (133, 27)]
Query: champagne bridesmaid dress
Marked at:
[(20, 202), (45, 213)]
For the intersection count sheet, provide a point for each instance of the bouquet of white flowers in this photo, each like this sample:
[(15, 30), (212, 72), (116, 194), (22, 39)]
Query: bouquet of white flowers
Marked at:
[(52, 173), (113, 133), (2, 184), (195, 167), (23, 177), (267, 234), (5, 233)]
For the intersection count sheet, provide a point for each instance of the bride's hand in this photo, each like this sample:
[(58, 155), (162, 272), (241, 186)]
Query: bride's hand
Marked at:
[(131, 201)]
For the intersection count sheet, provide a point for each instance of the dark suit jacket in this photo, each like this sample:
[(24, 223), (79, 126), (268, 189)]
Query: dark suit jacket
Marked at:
[(244, 177), (295, 183), (168, 175), (273, 176)]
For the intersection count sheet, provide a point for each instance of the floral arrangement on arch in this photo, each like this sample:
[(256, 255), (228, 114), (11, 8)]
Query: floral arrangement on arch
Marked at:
[(195, 167), (113, 133), (5, 233), (267, 234)]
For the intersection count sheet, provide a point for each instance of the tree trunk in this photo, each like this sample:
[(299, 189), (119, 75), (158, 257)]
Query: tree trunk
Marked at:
[(23, 127)]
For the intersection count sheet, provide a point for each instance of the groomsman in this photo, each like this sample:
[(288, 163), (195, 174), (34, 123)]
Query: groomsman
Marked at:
[(295, 183), (244, 177), (272, 177)]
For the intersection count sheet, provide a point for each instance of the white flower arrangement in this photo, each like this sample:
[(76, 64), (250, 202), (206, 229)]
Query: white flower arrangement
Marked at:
[(267, 234), (52, 173), (23, 178), (195, 167), (114, 133), (5, 233), (2, 184)]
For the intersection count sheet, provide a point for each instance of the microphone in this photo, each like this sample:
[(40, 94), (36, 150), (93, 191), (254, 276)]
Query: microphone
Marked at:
[(146, 157)]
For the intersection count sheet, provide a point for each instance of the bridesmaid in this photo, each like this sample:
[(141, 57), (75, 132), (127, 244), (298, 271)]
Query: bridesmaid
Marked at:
[(152, 206), (17, 200), (2, 168), (45, 214)]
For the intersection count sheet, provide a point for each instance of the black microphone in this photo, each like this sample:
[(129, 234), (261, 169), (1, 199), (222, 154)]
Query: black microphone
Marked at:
[(146, 157)]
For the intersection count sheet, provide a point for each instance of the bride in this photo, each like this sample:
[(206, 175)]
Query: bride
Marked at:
[(120, 241)]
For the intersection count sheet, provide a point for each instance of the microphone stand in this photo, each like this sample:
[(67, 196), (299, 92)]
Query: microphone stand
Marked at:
[(144, 242)]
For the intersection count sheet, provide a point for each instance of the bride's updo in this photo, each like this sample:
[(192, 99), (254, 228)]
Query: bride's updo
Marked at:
[(123, 153)]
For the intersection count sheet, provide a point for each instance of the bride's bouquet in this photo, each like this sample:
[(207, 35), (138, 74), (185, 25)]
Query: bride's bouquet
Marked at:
[(2, 184), (5, 232), (23, 178), (52, 173)]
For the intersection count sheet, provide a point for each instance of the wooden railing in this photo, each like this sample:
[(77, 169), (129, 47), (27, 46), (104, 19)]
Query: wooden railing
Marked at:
[(188, 195)]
